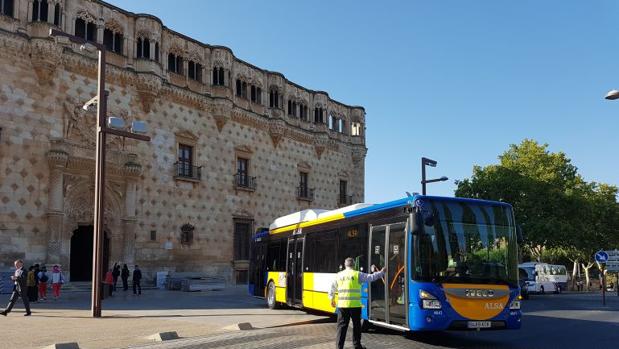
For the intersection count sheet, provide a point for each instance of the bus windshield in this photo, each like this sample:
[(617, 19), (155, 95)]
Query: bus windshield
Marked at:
[(466, 242)]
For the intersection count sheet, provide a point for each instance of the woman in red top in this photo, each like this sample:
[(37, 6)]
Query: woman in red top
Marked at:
[(109, 281)]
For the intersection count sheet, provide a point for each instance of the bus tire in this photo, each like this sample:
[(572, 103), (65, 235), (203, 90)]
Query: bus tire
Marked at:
[(541, 290), (271, 302)]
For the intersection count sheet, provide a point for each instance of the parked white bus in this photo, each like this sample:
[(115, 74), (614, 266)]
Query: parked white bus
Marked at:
[(539, 279), (558, 275)]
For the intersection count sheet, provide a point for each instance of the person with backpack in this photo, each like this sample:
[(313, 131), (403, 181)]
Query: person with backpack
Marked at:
[(43, 278), (31, 283), (57, 281)]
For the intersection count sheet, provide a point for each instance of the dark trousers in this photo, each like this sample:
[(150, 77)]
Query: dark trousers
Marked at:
[(343, 318), (137, 286), (125, 284), (16, 294)]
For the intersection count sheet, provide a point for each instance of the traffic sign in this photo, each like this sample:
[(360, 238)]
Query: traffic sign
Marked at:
[(612, 264), (601, 256)]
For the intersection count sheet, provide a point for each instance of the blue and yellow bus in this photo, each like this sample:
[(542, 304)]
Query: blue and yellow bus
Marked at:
[(452, 263)]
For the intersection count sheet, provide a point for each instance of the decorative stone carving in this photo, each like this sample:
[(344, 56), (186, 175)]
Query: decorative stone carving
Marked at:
[(277, 130), (80, 125), (45, 57), (148, 87), (220, 112), (321, 142), (358, 155)]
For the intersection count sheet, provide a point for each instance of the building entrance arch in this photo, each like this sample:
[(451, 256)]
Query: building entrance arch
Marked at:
[(80, 263)]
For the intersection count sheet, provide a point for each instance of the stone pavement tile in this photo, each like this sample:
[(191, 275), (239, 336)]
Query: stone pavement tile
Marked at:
[(308, 336)]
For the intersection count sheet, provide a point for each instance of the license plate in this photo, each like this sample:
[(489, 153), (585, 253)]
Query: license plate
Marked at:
[(479, 324)]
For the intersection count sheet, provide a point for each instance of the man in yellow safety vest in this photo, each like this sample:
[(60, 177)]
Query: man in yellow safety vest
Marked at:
[(347, 285)]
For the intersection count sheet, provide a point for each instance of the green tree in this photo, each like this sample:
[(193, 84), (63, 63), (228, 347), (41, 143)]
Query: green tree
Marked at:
[(560, 213)]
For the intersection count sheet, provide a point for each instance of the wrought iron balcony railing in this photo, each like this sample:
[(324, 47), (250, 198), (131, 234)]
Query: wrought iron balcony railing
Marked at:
[(243, 181), (344, 200), (305, 193), (187, 170)]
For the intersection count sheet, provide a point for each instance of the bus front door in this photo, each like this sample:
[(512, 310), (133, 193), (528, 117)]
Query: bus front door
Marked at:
[(294, 272), (387, 297)]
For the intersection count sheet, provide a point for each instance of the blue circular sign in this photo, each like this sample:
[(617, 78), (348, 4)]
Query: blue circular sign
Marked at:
[(601, 257)]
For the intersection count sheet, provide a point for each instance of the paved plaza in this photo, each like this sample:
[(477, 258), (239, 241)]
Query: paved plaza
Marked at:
[(209, 320)]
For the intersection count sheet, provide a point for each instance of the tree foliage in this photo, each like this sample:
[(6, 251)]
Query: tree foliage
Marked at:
[(558, 210)]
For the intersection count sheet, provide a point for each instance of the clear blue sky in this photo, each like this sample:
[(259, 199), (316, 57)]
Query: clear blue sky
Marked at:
[(456, 81)]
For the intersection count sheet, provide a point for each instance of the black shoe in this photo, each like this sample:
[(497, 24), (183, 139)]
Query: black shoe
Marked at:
[(3, 313), (27, 314)]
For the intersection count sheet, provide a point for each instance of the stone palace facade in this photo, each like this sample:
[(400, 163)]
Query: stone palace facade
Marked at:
[(232, 145)]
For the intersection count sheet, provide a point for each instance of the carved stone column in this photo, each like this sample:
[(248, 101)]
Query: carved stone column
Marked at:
[(57, 159), (132, 172)]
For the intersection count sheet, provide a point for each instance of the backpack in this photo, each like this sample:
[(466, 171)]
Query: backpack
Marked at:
[(44, 278)]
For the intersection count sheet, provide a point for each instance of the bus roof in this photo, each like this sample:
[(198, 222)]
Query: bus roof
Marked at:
[(313, 217)]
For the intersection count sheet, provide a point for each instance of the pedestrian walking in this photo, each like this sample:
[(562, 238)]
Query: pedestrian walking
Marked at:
[(124, 275), (31, 283), (109, 281), (115, 274), (43, 278), (347, 286), (19, 288), (57, 281), (137, 278)]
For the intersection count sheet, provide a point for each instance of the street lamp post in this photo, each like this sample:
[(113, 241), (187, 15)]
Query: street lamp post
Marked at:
[(432, 163), (101, 100)]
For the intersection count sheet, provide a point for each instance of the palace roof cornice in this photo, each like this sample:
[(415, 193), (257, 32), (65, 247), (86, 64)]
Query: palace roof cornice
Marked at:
[(185, 37)]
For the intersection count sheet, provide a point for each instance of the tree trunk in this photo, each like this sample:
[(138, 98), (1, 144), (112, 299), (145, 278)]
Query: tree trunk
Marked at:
[(586, 268), (574, 271)]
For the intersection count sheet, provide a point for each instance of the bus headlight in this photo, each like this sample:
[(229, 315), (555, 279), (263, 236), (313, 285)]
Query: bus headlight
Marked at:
[(428, 301), (515, 305)]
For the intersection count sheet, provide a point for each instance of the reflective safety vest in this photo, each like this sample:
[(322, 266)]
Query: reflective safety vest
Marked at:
[(348, 289)]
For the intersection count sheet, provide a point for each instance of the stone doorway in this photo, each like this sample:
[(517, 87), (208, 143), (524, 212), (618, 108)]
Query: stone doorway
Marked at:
[(80, 262)]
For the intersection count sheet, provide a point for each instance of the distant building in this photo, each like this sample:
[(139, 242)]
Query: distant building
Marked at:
[(233, 146)]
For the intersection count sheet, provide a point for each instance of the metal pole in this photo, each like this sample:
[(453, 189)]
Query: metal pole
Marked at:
[(97, 249), (603, 287), (423, 176)]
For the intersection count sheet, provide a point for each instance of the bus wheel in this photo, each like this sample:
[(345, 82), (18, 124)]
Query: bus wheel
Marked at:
[(541, 289), (271, 296)]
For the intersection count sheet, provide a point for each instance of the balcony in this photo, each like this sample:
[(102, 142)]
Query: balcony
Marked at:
[(344, 200), (244, 182), (305, 194), (186, 171)]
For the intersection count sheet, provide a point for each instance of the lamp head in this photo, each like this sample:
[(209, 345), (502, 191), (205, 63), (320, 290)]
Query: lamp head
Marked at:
[(612, 95)]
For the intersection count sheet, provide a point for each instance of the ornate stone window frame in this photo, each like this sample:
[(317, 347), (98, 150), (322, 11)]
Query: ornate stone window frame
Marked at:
[(189, 139)]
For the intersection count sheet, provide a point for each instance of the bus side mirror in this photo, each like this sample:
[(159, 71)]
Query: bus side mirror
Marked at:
[(519, 235)]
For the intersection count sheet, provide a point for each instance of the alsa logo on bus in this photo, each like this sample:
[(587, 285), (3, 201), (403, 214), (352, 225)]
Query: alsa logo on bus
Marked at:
[(493, 306)]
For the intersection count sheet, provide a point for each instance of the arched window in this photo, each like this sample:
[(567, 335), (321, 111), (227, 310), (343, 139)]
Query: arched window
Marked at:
[(85, 29), (319, 115), (195, 71), (218, 76), (175, 63), (39, 10), (6, 7), (143, 48), (57, 15), (187, 234), (156, 51), (113, 41), (256, 94), (274, 97)]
